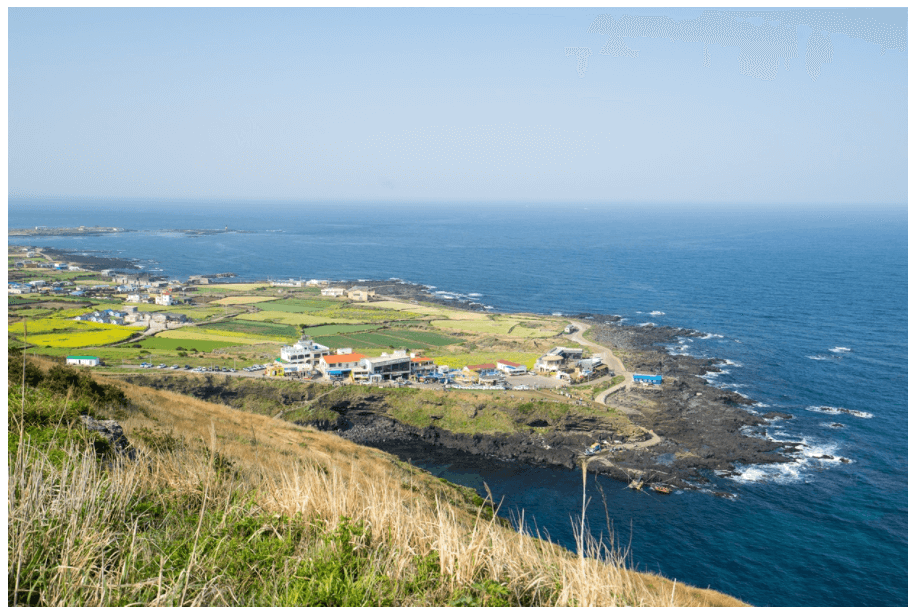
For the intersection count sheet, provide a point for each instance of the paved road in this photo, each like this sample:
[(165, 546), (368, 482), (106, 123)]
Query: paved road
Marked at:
[(613, 362)]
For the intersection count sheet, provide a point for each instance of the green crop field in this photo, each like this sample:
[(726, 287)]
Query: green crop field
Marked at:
[(422, 337), (170, 343), (298, 306), (325, 330), (252, 327), (292, 318), (347, 341), (243, 299), (225, 336)]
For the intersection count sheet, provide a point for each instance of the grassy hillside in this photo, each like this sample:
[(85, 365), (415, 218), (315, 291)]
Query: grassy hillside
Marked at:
[(224, 507)]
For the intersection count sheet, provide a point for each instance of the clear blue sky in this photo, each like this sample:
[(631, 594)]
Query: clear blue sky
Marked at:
[(458, 105)]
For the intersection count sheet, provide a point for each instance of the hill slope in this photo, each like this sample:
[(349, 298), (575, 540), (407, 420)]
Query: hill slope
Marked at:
[(224, 507)]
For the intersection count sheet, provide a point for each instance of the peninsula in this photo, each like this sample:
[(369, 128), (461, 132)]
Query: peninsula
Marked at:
[(549, 390)]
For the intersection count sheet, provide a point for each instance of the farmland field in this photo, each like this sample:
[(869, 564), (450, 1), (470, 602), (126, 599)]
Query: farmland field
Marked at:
[(423, 337), (337, 329), (192, 334), (215, 288), (251, 327), (501, 326), (458, 361), (298, 306), (170, 343), (243, 299), (291, 318), (71, 333)]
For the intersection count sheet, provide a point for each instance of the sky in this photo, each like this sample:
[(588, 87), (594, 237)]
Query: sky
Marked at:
[(459, 105)]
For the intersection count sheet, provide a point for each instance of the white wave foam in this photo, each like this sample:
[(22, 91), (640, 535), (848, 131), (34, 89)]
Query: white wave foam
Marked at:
[(826, 409), (646, 324), (819, 357), (447, 297), (840, 349), (556, 314), (811, 456), (475, 295), (656, 313), (711, 335), (429, 287)]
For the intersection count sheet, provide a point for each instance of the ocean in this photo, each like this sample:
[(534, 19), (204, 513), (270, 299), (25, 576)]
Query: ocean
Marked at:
[(807, 304)]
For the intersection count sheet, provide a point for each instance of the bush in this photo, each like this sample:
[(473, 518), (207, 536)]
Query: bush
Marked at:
[(33, 375)]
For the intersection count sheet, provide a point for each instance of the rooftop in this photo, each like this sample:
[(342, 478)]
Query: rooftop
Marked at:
[(335, 359)]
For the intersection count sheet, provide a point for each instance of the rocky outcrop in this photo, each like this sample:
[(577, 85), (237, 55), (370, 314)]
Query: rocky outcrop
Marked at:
[(113, 433)]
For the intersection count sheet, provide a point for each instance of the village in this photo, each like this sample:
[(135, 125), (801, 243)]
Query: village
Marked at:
[(155, 305)]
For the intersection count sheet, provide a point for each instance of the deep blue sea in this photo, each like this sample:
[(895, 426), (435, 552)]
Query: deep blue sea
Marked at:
[(809, 305)]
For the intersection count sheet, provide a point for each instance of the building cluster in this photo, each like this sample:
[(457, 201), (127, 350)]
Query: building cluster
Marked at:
[(307, 357), (131, 315), (568, 363), (355, 293)]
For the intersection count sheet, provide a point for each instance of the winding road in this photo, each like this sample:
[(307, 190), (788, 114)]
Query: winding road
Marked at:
[(615, 364)]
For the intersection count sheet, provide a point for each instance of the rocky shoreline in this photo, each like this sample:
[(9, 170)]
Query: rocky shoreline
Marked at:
[(701, 427)]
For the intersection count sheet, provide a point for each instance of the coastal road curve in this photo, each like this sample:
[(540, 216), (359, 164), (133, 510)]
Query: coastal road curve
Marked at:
[(613, 362)]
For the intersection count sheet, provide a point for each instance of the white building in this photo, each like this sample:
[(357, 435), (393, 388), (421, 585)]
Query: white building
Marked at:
[(137, 298), (340, 364), (511, 368), (288, 282), (164, 299), (305, 352), (317, 282), (386, 367), (333, 292), (360, 293), (88, 361)]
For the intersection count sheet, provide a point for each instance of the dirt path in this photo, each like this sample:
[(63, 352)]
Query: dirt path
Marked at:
[(613, 362), (617, 366)]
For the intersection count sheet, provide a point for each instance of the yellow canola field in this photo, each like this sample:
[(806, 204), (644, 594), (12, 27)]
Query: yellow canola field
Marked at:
[(63, 333), (82, 340), (242, 300), (227, 336)]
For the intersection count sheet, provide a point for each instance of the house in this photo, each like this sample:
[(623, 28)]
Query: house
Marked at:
[(18, 290), (360, 293), (317, 282), (511, 368), (137, 298), (333, 292), (422, 366), (164, 299), (88, 361), (288, 282), (335, 365), (37, 283), (387, 367), (305, 352), (643, 378), (558, 359)]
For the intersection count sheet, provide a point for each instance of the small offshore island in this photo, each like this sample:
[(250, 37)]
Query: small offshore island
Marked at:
[(586, 409)]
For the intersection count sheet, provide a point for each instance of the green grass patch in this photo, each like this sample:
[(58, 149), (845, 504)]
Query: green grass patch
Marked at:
[(253, 327), (167, 343), (298, 306), (325, 330)]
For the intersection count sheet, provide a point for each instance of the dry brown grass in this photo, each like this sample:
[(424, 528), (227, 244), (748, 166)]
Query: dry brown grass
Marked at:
[(295, 472)]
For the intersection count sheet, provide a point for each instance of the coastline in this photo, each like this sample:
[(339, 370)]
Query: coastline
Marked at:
[(687, 427)]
